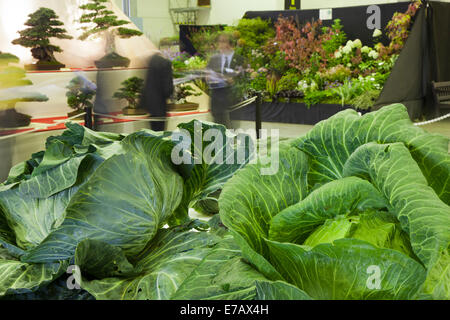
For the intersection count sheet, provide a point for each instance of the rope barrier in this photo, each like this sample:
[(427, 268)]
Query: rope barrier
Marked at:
[(242, 104)]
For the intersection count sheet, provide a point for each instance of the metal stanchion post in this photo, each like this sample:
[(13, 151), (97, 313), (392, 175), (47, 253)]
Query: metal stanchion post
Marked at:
[(258, 116), (88, 118)]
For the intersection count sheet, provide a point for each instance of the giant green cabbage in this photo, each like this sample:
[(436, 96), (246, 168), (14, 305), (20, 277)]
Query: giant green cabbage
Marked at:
[(357, 200)]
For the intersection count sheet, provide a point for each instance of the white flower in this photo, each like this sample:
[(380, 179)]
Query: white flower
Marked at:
[(349, 44), (349, 65), (338, 55), (357, 43), (347, 49), (377, 33), (365, 49)]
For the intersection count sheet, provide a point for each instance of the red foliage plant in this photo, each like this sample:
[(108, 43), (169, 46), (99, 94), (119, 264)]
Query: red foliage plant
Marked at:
[(301, 45)]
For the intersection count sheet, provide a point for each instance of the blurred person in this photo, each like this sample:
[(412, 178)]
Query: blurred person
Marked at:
[(158, 88), (224, 66)]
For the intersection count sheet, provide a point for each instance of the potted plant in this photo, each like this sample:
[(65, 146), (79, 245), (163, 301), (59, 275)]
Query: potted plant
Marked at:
[(131, 91), (79, 96), (11, 79), (179, 98), (101, 20), (43, 25)]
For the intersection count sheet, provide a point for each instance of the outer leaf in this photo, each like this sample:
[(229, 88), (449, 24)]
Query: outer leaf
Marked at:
[(17, 277), (52, 181), (249, 200), (348, 196), (56, 290), (342, 270), (222, 275), (256, 260), (6, 234), (438, 281), (56, 154), (421, 213), (331, 142), (80, 135), (32, 219), (162, 267), (207, 178), (279, 290), (137, 190), (100, 259)]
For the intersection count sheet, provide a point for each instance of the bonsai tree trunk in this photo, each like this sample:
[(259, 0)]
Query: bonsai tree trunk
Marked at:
[(111, 58)]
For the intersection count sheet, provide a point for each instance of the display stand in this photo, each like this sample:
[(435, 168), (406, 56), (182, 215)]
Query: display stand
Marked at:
[(296, 113)]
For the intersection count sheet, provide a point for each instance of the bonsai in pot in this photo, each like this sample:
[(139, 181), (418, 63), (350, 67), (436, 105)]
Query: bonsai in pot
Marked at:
[(79, 96), (131, 91), (42, 26), (12, 79), (179, 99), (100, 20)]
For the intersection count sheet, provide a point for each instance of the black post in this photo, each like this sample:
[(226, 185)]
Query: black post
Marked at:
[(88, 118), (258, 116)]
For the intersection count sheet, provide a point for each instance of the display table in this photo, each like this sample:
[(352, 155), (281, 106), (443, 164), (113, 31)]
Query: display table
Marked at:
[(58, 123)]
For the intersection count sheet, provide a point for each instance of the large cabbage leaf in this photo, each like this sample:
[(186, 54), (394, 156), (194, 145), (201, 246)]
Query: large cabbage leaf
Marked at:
[(342, 270), (33, 213), (279, 290), (176, 265), (17, 277), (137, 190), (393, 171), (249, 200), (216, 155), (331, 142)]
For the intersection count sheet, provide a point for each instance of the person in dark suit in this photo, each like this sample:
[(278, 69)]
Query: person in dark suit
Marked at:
[(224, 67), (158, 88)]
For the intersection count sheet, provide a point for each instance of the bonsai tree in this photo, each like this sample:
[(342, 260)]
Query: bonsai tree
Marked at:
[(131, 91), (182, 92), (43, 25), (11, 79), (100, 20), (80, 95)]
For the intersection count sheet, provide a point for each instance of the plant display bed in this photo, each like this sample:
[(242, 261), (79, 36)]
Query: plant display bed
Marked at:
[(297, 113)]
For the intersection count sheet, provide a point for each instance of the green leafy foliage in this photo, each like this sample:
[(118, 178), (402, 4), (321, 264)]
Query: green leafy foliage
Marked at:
[(358, 208), (375, 206)]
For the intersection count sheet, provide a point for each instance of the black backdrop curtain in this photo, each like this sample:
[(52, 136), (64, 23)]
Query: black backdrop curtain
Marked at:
[(440, 31), (354, 19)]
